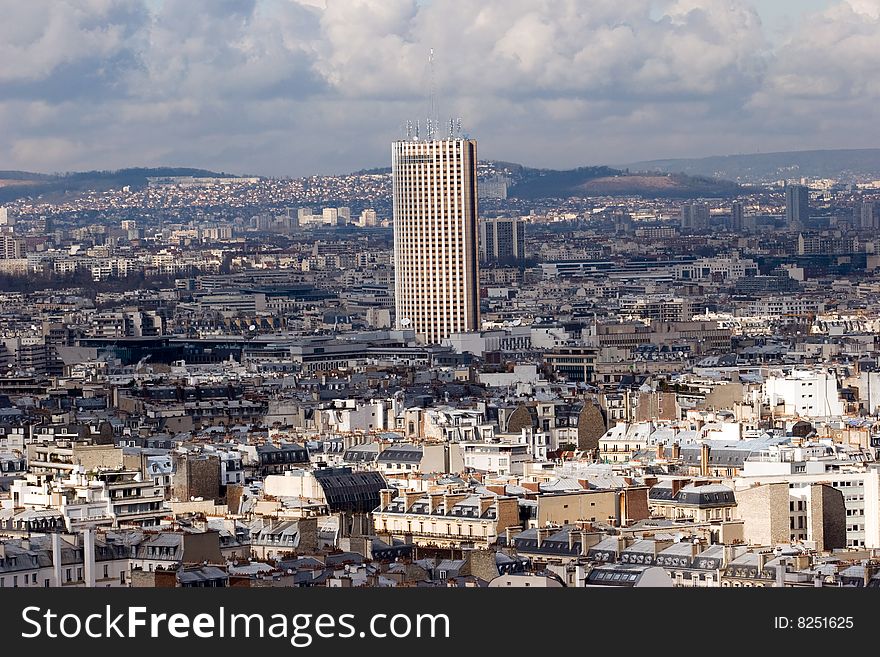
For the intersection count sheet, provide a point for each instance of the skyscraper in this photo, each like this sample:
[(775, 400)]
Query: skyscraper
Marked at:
[(736, 216), (7, 223), (865, 215), (797, 206), (436, 271), (502, 239), (694, 216)]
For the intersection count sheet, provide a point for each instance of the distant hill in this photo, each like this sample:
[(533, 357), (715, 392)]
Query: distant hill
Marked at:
[(605, 181), (372, 172), (21, 184), (766, 167)]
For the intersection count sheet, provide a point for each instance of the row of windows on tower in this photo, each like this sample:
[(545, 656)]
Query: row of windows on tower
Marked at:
[(426, 246)]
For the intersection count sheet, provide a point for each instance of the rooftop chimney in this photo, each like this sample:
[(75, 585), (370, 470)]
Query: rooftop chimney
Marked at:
[(704, 460), (451, 499), (676, 451), (386, 495), (729, 554), (89, 556), (56, 557), (410, 498), (512, 532), (780, 573), (436, 500), (542, 533), (661, 451), (589, 539)]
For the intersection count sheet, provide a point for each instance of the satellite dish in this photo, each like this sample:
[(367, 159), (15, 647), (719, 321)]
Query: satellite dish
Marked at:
[(252, 327), (406, 321)]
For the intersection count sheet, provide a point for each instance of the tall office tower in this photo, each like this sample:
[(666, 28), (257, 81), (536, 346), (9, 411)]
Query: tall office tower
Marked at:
[(736, 216), (865, 215), (368, 217), (291, 218), (7, 223), (10, 248), (502, 239), (344, 215), (797, 206), (304, 215), (436, 272), (494, 187), (694, 216)]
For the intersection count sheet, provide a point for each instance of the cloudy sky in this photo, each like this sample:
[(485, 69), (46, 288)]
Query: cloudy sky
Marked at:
[(293, 87)]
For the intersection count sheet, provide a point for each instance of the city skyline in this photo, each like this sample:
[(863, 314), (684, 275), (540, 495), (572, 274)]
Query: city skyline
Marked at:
[(296, 88)]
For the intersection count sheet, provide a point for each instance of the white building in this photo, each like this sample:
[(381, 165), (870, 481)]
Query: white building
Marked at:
[(345, 416), (804, 393), (516, 338), (497, 458), (723, 268), (435, 236), (781, 306), (860, 486), (83, 503)]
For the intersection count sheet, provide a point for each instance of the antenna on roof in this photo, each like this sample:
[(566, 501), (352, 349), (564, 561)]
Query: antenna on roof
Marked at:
[(432, 121)]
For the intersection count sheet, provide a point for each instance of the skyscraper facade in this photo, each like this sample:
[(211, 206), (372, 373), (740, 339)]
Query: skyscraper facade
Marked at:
[(502, 239), (797, 206), (865, 216), (695, 216), (436, 270), (7, 223), (736, 216)]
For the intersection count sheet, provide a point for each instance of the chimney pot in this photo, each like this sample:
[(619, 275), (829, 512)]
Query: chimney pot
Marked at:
[(704, 460), (386, 495), (410, 498)]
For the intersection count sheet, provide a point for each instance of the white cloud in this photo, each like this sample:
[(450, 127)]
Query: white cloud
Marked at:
[(295, 86)]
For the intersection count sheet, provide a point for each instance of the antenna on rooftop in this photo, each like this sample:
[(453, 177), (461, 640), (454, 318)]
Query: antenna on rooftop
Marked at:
[(432, 121)]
